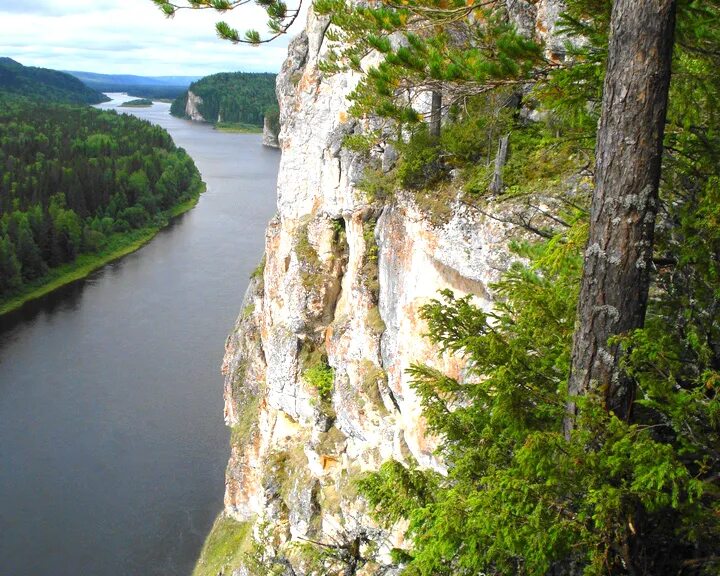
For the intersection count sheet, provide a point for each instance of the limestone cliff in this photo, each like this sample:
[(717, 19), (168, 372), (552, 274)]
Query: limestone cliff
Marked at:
[(338, 295), (270, 134), (191, 107)]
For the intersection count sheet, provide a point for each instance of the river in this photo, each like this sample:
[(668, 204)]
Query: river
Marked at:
[(112, 444)]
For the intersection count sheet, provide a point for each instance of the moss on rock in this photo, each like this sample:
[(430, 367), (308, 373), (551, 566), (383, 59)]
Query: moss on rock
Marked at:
[(226, 546)]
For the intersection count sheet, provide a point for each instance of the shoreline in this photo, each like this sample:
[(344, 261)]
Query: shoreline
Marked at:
[(86, 264), (238, 128)]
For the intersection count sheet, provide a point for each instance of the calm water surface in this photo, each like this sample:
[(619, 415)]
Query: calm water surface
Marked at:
[(112, 445)]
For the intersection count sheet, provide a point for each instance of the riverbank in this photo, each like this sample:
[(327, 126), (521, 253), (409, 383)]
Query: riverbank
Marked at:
[(238, 128), (119, 245)]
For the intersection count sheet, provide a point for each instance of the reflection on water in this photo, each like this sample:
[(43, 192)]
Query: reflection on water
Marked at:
[(112, 445), (63, 298)]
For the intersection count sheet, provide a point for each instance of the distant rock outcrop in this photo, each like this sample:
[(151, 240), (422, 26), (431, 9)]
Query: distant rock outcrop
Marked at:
[(230, 98), (271, 131), (191, 107)]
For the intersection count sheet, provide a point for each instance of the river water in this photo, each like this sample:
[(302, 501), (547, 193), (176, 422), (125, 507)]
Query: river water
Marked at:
[(112, 444)]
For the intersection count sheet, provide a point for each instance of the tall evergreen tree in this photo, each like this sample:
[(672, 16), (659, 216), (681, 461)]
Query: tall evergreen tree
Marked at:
[(618, 258)]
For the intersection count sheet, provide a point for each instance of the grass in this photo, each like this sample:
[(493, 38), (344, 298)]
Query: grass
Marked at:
[(119, 245), (289, 468), (247, 421), (238, 127), (311, 270), (226, 546), (259, 269)]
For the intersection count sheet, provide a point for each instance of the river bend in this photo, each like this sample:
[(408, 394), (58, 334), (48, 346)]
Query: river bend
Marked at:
[(112, 445)]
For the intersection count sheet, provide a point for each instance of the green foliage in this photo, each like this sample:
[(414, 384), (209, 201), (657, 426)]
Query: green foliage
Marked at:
[(234, 98), (238, 127), (377, 185), (370, 271), (287, 471), (474, 125), (73, 179), (280, 17), (492, 53), (165, 88), (263, 556), (615, 497), (419, 166), (322, 378), (247, 420), (137, 103), (225, 548), (45, 85), (519, 497), (272, 116), (541, 159), (257, 274), (573, 91), (311, 270)]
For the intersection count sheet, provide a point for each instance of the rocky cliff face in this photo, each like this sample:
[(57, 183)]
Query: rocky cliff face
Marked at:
[(270, 135), (191, 107), (337, 300)]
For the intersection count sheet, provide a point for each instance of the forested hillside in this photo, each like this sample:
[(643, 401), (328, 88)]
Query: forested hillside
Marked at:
[(237, 97), (45, 84), (79, 183)]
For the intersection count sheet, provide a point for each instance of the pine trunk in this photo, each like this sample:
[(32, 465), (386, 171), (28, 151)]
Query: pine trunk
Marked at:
[(496, 184), (435, 113), (616, 273)]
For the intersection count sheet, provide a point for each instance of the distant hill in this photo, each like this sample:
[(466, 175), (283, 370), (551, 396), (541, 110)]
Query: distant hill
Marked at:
[(43, 83), (229, 98), (144, 86)]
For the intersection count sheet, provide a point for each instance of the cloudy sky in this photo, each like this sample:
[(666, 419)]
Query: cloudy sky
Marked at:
[(130, 37)]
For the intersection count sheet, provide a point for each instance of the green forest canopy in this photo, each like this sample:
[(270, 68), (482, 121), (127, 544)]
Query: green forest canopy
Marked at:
[(45, 84), (235, 97), (76, 180)]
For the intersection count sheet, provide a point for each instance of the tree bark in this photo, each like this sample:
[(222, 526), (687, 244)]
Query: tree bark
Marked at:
[(435, 113), (496, 184), (618, 257)]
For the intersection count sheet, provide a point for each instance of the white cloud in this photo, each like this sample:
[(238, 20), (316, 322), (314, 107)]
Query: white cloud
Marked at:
[(131, 37)]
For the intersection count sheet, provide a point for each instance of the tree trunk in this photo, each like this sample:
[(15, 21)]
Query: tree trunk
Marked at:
[(496, 184), (616, 272), (435, 113)]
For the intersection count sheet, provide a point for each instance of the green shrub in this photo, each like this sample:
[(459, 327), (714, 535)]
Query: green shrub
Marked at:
[(377, 185), (259, 269), (321, 377), (420, 164)]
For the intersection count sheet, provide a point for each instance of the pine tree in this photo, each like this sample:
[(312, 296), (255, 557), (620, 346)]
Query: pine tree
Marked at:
[(280, 17)]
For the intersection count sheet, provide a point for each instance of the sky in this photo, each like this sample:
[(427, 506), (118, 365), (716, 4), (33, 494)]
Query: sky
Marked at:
[(132, 37)]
